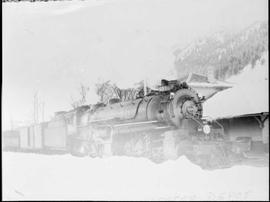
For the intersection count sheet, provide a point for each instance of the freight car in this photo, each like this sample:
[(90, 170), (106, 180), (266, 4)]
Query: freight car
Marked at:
[(164, 124), (10, 140), (34, 138)]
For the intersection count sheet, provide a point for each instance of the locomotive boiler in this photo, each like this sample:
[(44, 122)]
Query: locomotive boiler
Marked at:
[(154, 125)]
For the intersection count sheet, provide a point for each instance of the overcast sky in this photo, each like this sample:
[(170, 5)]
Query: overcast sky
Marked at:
[(53, 47)]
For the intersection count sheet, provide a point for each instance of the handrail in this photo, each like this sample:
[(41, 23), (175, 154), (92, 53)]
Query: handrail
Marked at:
[(194, 119)]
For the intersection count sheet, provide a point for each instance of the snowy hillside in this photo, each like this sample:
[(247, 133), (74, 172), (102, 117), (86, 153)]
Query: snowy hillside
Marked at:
[(64, 177), (227, 52), (250, 93)]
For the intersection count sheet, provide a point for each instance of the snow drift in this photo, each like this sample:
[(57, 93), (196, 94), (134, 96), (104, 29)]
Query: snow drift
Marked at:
[(64, 177)]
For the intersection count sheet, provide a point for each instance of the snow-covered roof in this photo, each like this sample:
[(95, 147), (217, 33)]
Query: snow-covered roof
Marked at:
[(203, 85), (194, 77), (237, 101), (248, 96), (199, 79)]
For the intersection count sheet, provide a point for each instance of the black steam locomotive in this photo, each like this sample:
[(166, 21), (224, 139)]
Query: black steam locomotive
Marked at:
[(164, 124)]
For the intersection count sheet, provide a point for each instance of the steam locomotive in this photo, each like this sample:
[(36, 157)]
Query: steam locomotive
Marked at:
[(163, 124)]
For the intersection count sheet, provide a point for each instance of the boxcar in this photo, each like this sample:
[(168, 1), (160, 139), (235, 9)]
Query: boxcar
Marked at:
[(25, 141)]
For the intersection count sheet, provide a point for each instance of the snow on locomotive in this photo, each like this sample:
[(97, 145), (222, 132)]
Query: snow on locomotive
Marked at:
[(164, 124), (150, 125)]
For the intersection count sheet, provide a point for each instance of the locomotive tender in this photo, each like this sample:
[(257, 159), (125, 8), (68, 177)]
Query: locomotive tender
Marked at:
[(164, 124)]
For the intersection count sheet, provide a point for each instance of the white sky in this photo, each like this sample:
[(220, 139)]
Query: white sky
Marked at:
[(53, 47)]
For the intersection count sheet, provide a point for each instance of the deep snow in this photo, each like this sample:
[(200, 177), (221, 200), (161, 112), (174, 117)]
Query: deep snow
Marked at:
[(64, 177)]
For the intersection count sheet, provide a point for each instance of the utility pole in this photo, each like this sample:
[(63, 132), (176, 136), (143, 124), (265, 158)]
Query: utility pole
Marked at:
[(210, 74), (34, 115), (145, 87), (43, 106), (11, 123), (35, 107), (37, 110)]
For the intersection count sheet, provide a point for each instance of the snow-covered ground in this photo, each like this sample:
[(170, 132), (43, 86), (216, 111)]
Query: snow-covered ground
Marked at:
[(64, 177), (249, 95)]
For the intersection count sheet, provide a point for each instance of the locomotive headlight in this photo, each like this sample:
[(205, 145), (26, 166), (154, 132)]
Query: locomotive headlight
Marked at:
[(172, 95), (206, 129)]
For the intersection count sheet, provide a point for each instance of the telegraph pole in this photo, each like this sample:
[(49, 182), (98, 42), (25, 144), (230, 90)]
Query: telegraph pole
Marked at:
[(11, 123), (43, 106), (35, 107), (34, 115), (145, 87)]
